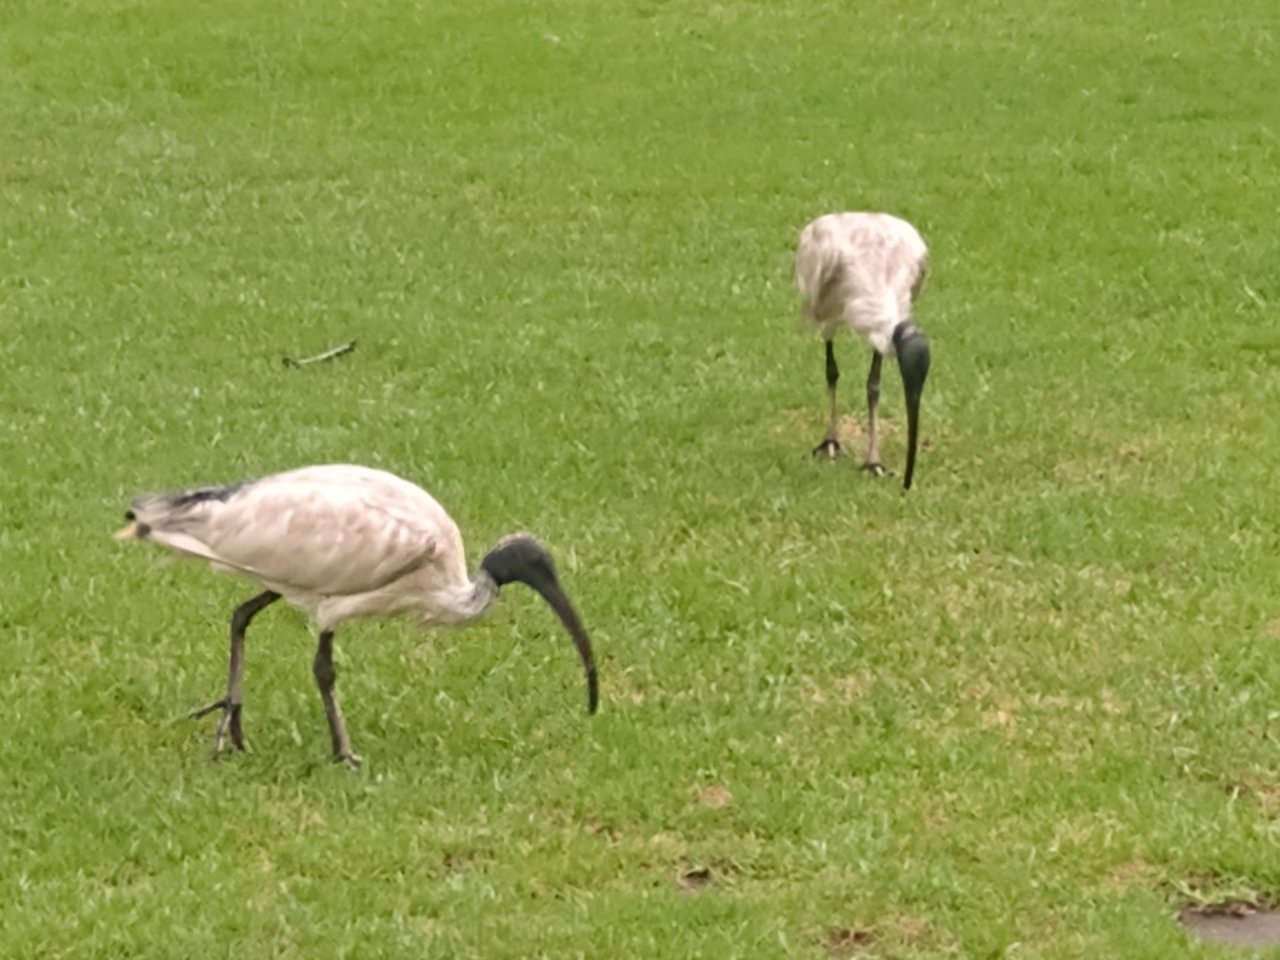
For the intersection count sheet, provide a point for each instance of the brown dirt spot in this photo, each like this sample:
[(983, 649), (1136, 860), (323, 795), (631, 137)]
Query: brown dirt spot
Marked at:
[(601, 829), (624, 686), (715, 796), (1271, 629), (1132, 453), (912, 930), (999, 718), (695, 876), (1264, 793), (694, 880), (1237, 923), (848, 941), (456, 861)]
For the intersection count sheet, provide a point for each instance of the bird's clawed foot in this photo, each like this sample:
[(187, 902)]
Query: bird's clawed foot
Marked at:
[(875, 468), (352, 760), (229, 722), (830, 448)]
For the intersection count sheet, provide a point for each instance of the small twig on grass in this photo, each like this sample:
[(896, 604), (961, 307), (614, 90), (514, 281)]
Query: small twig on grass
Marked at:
[(321, 357)]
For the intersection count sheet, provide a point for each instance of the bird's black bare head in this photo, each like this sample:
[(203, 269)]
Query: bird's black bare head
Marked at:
[(912, 349), (521, 558)]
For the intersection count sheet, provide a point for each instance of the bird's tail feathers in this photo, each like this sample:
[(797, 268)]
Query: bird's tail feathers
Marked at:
[(166, 518), (154, 518), (172, 507), (818, 268)]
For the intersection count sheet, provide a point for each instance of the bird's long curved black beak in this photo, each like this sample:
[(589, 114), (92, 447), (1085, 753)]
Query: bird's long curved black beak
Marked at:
[(912, 349), (558, 602), (521, 558)]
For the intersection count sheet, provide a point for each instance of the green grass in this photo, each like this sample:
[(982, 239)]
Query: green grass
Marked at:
[(1021, 711)]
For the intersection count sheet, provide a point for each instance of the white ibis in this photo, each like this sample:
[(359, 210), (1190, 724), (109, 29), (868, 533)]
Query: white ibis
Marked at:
[(864, 271), (341, 542)]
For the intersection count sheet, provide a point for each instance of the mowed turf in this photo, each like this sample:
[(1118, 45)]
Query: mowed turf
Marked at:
[(1025, 710)]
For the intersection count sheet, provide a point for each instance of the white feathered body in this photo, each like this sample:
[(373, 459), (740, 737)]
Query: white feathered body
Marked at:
[(336, 541), (860, 270)]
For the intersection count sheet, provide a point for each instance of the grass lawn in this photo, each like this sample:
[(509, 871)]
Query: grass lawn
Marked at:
[(1026, 710)]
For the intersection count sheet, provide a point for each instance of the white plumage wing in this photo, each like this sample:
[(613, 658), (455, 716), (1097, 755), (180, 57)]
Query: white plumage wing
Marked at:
[(322, 531), (862, 269)]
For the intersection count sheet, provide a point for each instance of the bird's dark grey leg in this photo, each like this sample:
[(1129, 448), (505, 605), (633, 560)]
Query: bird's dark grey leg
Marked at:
[(325, 676), (830, 445), (873, 402), (230, 705)]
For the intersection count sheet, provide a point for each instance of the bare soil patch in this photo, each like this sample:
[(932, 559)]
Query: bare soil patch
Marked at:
[(1236, 923)]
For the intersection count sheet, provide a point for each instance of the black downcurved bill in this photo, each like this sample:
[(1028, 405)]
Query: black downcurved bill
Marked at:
[(912, 349), (558, 602), (520, 558)]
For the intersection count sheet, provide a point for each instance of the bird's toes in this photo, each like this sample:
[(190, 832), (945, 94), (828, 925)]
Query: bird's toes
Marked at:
[(829, 448), (875, 468), (207, 709), (352, 760)]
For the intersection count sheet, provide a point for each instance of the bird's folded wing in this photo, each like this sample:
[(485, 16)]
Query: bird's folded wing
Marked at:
[(324, 540)]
